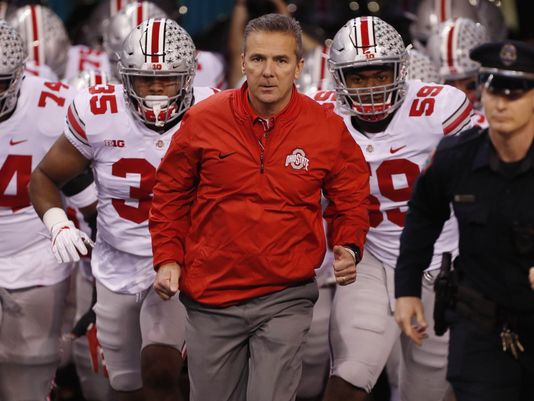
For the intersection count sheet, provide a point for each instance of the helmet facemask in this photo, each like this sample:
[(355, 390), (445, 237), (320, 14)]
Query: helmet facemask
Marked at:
[(158, 98), (368, 43), (370, 103), (9, 91)]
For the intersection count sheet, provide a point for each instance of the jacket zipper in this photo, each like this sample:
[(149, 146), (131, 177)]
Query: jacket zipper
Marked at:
[(262, 155), (262, 142)]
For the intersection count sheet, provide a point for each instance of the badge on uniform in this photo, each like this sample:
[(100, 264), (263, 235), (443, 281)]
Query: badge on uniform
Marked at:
[(464, 198)]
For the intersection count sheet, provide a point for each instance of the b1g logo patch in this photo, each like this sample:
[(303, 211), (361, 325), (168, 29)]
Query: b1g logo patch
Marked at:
[(298, 160)]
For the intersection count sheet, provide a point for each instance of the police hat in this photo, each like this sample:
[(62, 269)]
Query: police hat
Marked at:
[(506, 67)]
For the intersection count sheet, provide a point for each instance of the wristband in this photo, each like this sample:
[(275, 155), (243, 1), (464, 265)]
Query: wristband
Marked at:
[(53, 216)]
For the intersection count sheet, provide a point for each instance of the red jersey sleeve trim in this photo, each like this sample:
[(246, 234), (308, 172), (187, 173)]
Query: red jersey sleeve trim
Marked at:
[(76, 126), (459, 119)]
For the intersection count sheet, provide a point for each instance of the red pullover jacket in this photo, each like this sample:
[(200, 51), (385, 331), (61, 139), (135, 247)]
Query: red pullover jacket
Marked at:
[(237, 200)]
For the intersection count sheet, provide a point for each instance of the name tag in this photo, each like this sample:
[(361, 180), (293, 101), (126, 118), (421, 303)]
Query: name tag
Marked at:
[(464, 198)]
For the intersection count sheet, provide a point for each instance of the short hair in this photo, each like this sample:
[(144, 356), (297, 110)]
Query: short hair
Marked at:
[(276, 23)]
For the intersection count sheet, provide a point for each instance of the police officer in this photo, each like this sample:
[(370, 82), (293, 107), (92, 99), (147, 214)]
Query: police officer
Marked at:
[(488, 177)]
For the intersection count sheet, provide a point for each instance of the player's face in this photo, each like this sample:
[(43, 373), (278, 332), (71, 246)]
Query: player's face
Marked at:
[(152, 85), (468, 86), (369, 78), (508, 115), (271, 66)]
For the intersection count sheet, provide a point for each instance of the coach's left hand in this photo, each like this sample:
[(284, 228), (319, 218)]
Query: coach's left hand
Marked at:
[(344, 266)]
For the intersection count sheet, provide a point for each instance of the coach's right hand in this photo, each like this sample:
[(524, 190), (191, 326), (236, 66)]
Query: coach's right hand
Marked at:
[(167, 279)]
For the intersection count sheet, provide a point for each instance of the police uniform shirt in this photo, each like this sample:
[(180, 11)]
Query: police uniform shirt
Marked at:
[(494, 204)]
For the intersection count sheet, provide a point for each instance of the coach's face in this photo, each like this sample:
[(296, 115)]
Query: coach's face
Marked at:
[(270, 64)]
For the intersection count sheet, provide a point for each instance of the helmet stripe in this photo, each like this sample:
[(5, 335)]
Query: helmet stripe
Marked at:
[(35, 34), (140, 12), (443, 10), (365, 35), (156, 39), (450, 46), (115, 6)]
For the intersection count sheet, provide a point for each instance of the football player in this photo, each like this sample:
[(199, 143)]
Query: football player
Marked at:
[(123, 131), (397, 123), (51, 55), (33, 285)]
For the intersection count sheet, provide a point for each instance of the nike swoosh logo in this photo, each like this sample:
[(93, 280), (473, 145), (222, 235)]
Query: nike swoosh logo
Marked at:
[(13, 143), (395, 150), (224, 156)]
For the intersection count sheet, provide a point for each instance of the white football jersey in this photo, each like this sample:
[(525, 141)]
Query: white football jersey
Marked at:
[(315, 75), (397, 155), (25, 137), (125, 155), (210, 70), (82, 58), (40, 70)]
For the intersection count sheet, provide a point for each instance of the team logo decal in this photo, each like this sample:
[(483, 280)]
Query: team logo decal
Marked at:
[(298, 160), (508, 54)]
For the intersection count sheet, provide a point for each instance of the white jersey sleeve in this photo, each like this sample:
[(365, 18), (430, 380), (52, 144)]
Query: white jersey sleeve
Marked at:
[(82, 58), (26, 137), (455, 108)]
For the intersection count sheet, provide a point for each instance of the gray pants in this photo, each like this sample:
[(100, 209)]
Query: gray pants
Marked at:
[(251, 351), (29, 340)]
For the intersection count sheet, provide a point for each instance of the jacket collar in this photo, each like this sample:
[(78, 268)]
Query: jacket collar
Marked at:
[(244, 111)]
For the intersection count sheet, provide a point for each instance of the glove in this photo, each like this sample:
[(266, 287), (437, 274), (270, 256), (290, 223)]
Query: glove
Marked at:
[(67, 241)]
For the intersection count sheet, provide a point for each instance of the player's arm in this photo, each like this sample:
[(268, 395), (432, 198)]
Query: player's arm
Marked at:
[(428, 211), (61, 164)]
